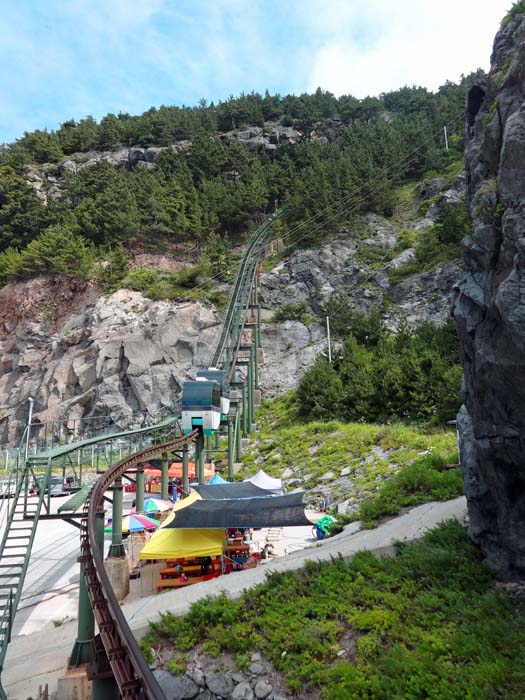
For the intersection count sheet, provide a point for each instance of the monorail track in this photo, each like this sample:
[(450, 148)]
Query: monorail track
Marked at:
[(128, 666)]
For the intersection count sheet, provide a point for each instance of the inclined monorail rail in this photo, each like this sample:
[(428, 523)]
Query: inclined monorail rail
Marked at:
[(130, 670)]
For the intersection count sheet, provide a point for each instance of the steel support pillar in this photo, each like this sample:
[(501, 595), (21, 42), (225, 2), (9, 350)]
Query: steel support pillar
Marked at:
[(185, 479), (258, 334), (139, 499), (199, 457), (100, 529), (250, 390), (105, 689), (255, 355), (164, 489), (238, 433), (117, 548), (231, 448), (244, 411), (84, 647)]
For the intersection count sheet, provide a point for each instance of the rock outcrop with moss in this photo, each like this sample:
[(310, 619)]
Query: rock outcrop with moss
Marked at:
[(490, 307)]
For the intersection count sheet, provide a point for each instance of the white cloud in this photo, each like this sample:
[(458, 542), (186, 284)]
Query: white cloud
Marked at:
[(366, 48)]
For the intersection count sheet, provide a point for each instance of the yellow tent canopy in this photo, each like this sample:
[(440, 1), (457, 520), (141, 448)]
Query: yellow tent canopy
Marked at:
[(187, 544)]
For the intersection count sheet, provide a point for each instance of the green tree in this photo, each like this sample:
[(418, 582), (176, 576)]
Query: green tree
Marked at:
[(110, 133), (113, 268), (320, 392), (78, 137), (43, 146), (22, 214), (103, 203), (58, 251)]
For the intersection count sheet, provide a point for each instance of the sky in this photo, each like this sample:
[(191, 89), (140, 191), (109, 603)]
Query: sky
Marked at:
[(66, 59)]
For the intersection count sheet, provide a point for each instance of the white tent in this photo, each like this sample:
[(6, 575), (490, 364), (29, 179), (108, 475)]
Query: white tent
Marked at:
[(268, 483)]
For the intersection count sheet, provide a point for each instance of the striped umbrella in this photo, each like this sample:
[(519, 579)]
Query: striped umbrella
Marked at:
[(155, 505), (135, 523)]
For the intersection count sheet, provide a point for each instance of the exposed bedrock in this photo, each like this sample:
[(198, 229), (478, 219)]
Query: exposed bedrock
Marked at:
[(490, 308), (77, 357)]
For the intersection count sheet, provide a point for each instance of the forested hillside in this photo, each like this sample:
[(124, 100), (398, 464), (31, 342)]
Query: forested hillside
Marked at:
[(352, 152)]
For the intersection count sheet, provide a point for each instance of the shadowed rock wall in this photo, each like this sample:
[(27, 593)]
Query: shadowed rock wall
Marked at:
[(489, 308)]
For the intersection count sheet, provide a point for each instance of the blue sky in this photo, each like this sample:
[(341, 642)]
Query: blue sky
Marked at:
[(62, 59)]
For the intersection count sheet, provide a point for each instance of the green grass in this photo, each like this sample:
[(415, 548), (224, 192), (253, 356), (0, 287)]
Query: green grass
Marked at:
[(422, 481), (315, 448), (375, 257), (425, 625), (406, 197)]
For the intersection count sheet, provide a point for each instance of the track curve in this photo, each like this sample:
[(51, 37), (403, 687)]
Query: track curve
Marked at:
[(130, 670)]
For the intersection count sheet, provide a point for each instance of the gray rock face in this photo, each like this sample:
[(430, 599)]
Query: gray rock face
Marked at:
[(490, 311), (311, 277), (290, 348), (121, 355)]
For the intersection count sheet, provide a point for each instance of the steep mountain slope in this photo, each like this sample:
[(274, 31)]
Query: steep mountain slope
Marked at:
[(77, 354), (364, 227)]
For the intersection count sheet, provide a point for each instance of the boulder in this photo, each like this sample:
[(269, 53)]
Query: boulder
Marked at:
[(176, 687), (243, 691), (262, 689), (220, 684)]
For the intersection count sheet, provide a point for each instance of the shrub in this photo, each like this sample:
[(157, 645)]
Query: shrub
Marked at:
[(427, 623), (424, 480), (292, 312)]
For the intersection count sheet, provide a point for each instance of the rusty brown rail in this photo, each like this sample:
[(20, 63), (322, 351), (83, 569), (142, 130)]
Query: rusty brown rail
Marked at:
[(132, 674)]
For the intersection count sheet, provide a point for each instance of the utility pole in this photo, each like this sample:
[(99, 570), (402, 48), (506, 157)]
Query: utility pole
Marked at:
[(328, 339), (446, 137), (29, 419)]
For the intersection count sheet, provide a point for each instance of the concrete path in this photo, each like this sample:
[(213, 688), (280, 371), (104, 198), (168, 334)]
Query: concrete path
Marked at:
[(41, 657)]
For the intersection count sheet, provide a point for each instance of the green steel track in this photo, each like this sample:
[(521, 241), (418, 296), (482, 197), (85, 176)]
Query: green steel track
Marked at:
[(129, 669)]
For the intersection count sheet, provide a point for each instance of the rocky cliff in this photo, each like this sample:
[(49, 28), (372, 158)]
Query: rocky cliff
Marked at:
[(490, 308), (78, 354)]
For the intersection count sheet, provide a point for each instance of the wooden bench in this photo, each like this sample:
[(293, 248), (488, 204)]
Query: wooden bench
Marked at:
[(172, 571), (177, 582), (180, 583)]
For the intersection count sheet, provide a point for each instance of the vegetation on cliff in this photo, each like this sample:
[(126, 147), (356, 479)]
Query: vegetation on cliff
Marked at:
[(217, 189)]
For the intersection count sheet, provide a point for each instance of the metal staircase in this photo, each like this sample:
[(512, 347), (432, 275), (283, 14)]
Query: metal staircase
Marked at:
[(17, 540)]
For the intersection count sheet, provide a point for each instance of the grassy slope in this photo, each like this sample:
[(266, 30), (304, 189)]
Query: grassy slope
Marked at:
[(391, 466), (428, 624)]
